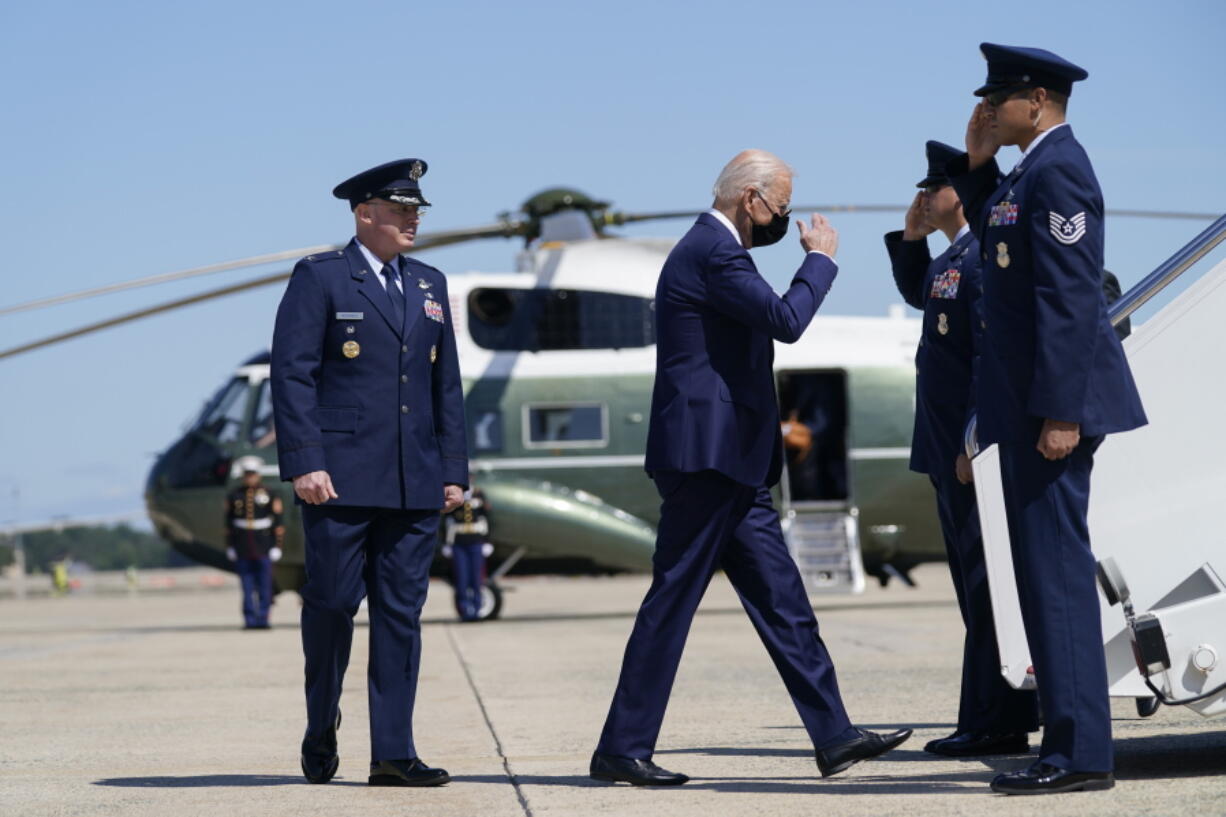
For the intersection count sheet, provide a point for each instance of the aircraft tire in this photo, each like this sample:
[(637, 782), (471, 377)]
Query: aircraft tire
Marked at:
[(1147, 706), (491, 602)]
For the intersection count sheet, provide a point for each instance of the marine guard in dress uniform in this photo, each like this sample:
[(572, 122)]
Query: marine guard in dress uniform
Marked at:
[(714, 449), (1052, 381), (255, 528), (467, 537), (370, 428), (993, 718)]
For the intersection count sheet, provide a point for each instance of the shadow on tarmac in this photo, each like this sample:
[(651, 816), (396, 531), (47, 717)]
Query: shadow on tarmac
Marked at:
[(216, 780), (702, 611), (1164, 756)]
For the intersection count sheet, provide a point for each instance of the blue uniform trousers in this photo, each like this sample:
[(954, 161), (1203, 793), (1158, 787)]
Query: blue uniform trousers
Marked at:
[(987, 703), (468, 573), (1047, 502), (708, 521), (384, 555), (255, 575)]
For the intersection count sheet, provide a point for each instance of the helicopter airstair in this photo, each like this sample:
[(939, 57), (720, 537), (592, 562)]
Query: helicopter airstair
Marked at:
[(1155, 513), (824, 541)]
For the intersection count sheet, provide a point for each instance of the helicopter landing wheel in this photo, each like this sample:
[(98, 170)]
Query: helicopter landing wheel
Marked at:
[(491, 601)]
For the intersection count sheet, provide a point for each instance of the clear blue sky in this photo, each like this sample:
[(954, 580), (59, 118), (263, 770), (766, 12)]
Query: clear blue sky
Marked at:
[(146, 137)]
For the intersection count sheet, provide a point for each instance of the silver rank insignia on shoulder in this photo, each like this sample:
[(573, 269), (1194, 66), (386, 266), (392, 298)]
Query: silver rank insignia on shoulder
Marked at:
[(422, 284), (1002, 255), (1067, 231), (943, 324)]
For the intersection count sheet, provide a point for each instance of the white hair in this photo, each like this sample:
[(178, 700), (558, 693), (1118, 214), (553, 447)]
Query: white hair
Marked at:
[(754, 169)]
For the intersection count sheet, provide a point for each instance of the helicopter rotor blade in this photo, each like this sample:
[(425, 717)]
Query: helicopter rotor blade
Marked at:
[(617, 219), (148, 312), (505, 229), (167, 277)]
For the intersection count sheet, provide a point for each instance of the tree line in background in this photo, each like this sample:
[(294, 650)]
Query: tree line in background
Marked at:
[(100, 547)]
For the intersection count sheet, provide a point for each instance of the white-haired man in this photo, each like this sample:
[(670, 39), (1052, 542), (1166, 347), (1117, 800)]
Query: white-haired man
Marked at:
[(714, 450)]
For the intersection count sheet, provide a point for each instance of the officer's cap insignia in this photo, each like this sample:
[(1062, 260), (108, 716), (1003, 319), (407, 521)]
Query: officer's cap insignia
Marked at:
[(1067, 231), (415, 171), (1002, 255)]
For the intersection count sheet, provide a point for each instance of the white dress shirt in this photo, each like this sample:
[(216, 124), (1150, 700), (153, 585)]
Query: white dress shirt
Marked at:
[(1030, 148), (377, 267)]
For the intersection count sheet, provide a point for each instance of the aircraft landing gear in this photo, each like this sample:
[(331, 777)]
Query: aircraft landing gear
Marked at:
[(491, 592), (1147, 706), (491, 601)]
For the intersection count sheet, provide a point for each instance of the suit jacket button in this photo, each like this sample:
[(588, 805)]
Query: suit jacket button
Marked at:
[(404, 349), (404, 378), (404, 409)]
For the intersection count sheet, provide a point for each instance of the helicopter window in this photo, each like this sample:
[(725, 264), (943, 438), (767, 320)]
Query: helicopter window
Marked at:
[(575, 425), (533, 320), (223, 416), (262, 433)]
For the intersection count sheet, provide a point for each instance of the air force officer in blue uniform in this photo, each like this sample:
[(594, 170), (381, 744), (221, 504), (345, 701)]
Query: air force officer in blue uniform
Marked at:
[(370, 428), (993, 718), (713, 449), (1052, 381)]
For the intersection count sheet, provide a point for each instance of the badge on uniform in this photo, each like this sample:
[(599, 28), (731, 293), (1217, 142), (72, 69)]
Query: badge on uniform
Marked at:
[(433, 353), (943, 323), (434, 310), (1003, 215), (1067, 231), (350, 316), (351, 349), (1002, 255), (945, 285), (421, 284)]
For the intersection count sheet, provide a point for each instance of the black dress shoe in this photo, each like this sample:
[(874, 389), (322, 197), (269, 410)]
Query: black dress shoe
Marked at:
[(976, 744), (616, 769), (1043, 778), (842, 756), (410, 772), (319, 758)]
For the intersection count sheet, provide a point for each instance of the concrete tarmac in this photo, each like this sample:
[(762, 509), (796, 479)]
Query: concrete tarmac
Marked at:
[(157, 704)]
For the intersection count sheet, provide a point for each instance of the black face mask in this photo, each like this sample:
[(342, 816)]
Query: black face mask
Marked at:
[(763, 235)]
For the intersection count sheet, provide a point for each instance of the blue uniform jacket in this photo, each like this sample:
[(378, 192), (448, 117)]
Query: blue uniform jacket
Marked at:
[(1049, 349), (947, 290), (714, 405), (387, 424)]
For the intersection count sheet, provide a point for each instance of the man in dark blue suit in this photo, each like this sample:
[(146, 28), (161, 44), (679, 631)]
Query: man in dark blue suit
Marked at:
[(1053, 380), (370, 428), (993, 718), (714, 449)]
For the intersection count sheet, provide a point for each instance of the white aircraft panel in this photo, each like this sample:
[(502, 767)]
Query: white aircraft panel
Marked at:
[(998, 556)]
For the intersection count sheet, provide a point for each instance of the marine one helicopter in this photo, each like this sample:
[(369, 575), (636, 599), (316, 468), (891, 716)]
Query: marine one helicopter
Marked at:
[(558, 359)]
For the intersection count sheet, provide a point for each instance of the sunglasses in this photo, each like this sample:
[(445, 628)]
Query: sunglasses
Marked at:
[(998, 98)]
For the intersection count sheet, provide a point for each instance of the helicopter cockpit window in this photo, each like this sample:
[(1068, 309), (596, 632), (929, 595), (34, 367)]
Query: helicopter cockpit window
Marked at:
[(532, 320), (222, 418), (262, 433), (574, 425)]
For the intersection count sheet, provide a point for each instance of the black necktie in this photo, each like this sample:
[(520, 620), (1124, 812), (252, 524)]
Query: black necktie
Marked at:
[(394, 294)]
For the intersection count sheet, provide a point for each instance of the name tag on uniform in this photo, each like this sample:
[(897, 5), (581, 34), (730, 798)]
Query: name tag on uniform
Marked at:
[(350, 316), (434, 310), (945, 285), (1003, 215)]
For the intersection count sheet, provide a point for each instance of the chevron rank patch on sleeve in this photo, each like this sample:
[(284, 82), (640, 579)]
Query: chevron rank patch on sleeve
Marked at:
[(1067, 231)]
